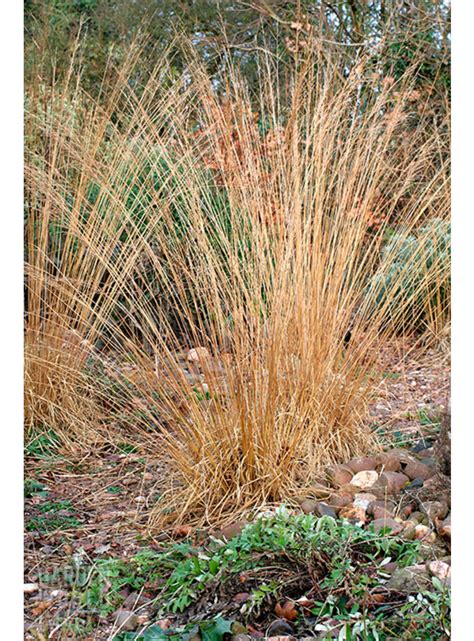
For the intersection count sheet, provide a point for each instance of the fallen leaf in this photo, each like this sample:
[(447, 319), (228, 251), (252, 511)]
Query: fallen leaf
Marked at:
[(286, 611), (182, 530), (164, 624), (241, 597), (40, 608), (378, 598)]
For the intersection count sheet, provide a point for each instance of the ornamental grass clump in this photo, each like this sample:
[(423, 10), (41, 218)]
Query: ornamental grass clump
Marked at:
[(246, 228)]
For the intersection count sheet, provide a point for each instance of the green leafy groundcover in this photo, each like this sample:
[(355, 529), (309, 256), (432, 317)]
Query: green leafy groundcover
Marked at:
[(213, 630), (282, 555)]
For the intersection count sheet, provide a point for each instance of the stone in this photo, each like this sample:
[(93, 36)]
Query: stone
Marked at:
[(362, 464), (339, 474), (232, 530), (445, 528), (279, 627), (353, 513), (349, 490), (409, 530), (337, 501), (364, 479), (134, 600), (424, 533), (380, 524), (403, 455), (319, 491), (393, 481), (414, 578), (429, 551), (390, 461), (198, 355), (430, 462), (379, 512), (126, 620), (309, 506), (387, 505), (364, 499), (30, 588), (418, 470), (434, 510), (419, 517), (325, 510), (440, 570)]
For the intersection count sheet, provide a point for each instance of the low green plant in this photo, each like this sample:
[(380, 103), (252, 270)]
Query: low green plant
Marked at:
[(211, 630), (33, 487), (114, 489), (429, 420), (282, 555), (127, 448), (42, 443), (53, 515), (339, 554)]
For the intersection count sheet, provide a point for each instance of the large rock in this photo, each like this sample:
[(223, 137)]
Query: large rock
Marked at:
[(379, 512), (364, 479), (309, 506), (390, 461), (381, 524), (133, 601), (424, 533), (381, 507), (126, 620), (279, 627), (339, 474), (393, 481), (414, 578), (232, 530), (363, 500), (198, 355), (338, 501), (353, 513), (325, 510), (440, 570), (362, 463), (417, 470), (434, 510)]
